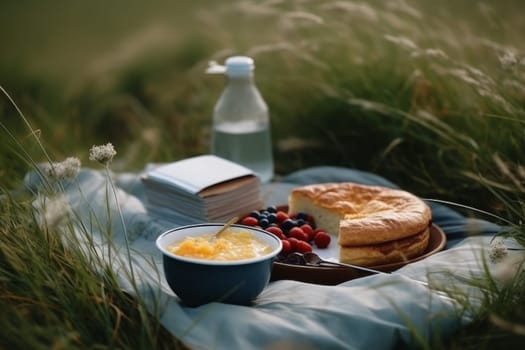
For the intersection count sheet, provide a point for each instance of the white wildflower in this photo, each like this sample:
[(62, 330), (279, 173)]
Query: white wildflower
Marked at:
[(402, 7), (360, 10), (51, 211), (464, 76), (71, 167), (67, 169), (521, 171), (302, 15), (508, 59), (103, 154), (509, 267), (265, 48), (515, 85), (434, 53), (505, 171), (402, 41), (49, 169), (498, 250)]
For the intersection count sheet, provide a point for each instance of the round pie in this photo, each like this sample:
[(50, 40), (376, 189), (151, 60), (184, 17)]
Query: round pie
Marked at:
[(364, 217), (398, 250)]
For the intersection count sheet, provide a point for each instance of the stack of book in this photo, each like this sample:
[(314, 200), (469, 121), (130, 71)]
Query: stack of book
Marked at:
[(205, 188)]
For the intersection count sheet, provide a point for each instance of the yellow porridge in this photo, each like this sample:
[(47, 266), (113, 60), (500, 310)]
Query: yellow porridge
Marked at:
[(231, 245)]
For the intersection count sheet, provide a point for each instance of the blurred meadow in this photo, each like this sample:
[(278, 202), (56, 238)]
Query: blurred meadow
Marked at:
[(430, 95)]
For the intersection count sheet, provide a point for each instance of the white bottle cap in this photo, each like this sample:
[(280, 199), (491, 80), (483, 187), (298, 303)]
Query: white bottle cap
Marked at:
[(239, 66)]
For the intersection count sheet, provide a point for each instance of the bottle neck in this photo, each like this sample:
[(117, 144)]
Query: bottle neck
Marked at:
[(241, 101), (240, 79), (242, 86)]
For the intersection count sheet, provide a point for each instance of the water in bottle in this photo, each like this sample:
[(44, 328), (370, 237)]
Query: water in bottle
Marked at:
[(241, 125)]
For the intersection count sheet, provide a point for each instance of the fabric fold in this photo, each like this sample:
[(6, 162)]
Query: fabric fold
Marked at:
[(379, 311)]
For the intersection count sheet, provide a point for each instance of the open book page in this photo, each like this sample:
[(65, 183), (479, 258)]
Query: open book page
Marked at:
[(198, 173), (200, 189)]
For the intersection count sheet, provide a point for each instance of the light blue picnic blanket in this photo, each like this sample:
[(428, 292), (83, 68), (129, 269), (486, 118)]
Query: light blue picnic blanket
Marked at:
[(376, 312)]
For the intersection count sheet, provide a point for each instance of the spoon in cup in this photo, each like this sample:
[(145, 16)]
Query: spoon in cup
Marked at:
[(224, 228)]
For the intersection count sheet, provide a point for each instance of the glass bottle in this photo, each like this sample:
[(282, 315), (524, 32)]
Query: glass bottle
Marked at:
[(241, 124)]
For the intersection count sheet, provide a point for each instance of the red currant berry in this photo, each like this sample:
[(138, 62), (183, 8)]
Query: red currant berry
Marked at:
[(298, 233), (249, 221), (287, 247), (276, 231), (293, 243), (281, 216), (308, 230), (303, 247), (322, 239)]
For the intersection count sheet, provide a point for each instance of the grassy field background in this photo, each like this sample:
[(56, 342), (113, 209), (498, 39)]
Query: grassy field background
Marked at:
[(429, 94), (339, 78)]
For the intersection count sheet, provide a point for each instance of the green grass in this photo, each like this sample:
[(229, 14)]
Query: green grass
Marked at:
[(51, 297), (430, 96)]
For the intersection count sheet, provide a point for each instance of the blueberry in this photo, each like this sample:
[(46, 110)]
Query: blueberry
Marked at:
[(272, 209), (300, 222), (302, 215), (264, 223), (255, 214), (272, 217), (287, 224)]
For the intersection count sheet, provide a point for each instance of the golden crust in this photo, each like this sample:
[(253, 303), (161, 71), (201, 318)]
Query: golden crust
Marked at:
[(361, 214), (385, 253)]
